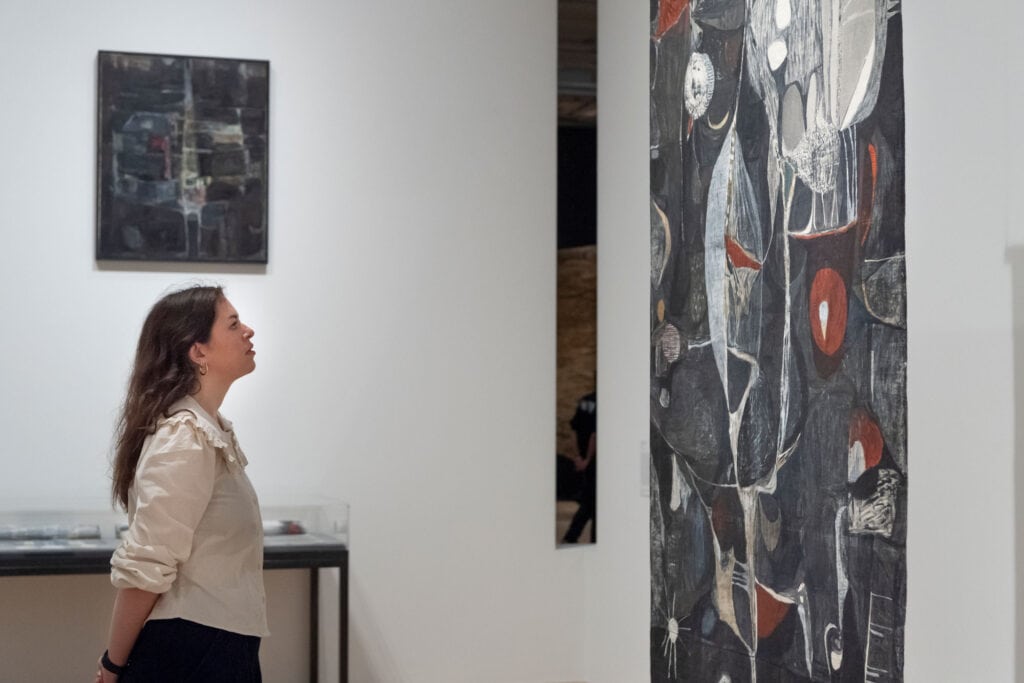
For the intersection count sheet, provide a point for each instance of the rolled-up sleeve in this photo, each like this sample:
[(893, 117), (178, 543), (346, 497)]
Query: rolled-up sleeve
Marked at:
[(173, 485)]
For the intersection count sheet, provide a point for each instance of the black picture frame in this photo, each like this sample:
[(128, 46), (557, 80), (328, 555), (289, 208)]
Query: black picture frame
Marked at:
[(182, 151)]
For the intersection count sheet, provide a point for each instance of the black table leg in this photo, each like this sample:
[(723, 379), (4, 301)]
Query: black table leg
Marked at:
[(343, 620), (314, 625)]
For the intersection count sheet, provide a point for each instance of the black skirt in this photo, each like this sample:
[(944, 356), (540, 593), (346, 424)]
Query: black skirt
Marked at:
[(182, 651)]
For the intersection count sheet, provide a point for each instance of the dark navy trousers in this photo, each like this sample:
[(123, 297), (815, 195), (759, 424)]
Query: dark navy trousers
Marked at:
[(182, 651)]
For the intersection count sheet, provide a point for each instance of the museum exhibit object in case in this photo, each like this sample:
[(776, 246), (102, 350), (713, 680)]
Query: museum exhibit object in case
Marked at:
[(313, 537), (778, 341)]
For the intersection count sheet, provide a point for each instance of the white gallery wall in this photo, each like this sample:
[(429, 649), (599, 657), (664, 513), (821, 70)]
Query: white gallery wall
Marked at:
[(405, 328), (404, 325)]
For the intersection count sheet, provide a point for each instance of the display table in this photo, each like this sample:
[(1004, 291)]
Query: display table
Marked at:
[(64, 553)]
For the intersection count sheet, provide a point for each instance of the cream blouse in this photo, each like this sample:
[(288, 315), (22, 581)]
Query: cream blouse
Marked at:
[(195, 535)]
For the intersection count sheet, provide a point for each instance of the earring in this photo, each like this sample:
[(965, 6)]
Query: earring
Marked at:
[(203, 369)]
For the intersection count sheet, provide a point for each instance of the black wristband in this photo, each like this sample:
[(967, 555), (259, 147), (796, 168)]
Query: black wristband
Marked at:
[(109, 665)]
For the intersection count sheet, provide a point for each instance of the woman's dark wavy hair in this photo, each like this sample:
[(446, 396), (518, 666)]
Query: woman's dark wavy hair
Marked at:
[(162, 374)]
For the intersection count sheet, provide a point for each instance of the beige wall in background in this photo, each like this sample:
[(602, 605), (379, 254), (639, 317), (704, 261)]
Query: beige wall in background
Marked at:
[(51, 626)]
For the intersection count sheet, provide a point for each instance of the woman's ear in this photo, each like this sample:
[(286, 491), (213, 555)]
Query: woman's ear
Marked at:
[(196, 354)]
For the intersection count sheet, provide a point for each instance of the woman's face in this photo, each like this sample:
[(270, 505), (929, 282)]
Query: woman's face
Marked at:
[(229, 353)]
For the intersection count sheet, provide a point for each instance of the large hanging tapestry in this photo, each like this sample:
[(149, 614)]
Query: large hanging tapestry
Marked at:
[(778, 341)]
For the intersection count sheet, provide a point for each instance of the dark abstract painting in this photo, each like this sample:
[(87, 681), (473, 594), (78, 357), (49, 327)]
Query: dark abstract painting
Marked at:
[(182, 158), (778, 341)]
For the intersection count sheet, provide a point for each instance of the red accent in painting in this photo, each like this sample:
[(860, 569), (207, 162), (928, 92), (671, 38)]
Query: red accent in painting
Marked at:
[(770, 612), (864, 429), (740, 257), (873, 155), (669, 12), (719, 515), (828, 288)]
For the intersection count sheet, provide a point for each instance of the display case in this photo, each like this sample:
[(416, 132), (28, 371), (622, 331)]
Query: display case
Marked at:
[(81, 539), (72, 541), (321, 524)]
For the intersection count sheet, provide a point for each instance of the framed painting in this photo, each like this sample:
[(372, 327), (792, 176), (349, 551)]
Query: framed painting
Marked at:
[(182, 158)]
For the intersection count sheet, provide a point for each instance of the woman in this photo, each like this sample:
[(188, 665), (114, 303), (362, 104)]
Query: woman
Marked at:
[(190, 604)]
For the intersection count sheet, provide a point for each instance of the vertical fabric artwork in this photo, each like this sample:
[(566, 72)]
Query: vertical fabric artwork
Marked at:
[(182, 158), (778, 341)]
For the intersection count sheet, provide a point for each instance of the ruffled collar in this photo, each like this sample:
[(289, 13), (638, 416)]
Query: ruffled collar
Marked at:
[(218, 436)]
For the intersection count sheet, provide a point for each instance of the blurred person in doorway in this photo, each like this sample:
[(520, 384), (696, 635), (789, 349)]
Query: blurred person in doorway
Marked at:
[(584, 423)]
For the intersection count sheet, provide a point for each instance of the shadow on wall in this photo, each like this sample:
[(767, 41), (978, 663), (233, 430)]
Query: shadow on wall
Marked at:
[(1015, 257), (370, 658)]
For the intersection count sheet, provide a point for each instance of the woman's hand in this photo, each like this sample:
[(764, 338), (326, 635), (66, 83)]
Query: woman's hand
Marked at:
[(131, 608), (104, 676)]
